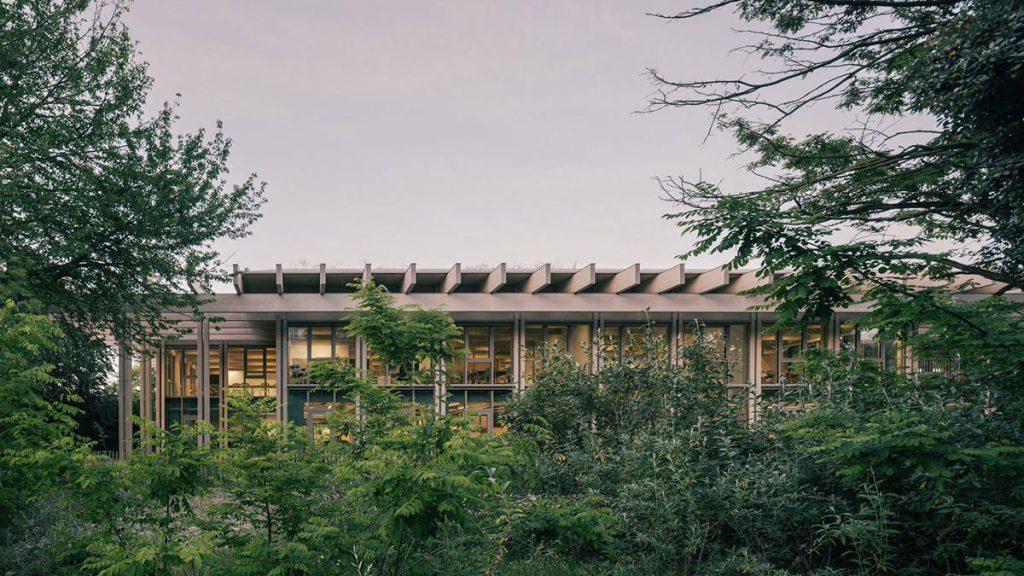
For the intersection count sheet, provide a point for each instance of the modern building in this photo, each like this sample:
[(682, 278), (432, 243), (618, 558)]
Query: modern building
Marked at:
[(261, 338)]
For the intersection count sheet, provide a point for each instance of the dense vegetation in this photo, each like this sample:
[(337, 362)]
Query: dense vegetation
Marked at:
[(642, 468)]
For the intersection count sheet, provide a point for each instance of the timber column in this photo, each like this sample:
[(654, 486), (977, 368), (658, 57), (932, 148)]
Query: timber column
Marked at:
[(203, 368), (146, 392), (754, 366), (124, 402), (161, 388), (281, 342)]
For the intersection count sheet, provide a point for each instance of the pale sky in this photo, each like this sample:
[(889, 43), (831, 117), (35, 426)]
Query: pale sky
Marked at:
[(433, 132)]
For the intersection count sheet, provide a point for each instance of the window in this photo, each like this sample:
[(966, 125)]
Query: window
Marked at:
[(847, 336), (782, 349), (769, 358), (485, 409), (181, 371), (314, 343), (791, 347), (316, 407), (252, 370), (487, 356), (181, 384), (623, 341), (573, 340), (887, 353), (728, 345)]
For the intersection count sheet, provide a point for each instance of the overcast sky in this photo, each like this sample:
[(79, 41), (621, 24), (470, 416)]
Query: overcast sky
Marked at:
[(435, 132)]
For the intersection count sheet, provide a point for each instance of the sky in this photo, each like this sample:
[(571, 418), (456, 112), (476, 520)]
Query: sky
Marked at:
[(438, 132)]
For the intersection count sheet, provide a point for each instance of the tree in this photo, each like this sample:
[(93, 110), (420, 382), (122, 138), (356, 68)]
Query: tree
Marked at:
[(145, 509), (37, 447), (109, 214), (409, 339), (880, 202), (275, 483)]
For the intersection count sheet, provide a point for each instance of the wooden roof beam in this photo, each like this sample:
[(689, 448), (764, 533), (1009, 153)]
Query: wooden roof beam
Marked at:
[(538, 280), (748, 281), (627, 279), (237, 280), (581, 280), (453, 279), (409, 280), (495, 280), (707, 281), (667, 280)]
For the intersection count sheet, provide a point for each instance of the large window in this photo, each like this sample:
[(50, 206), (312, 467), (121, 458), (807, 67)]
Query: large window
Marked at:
[(623, 341), (780, 350), (312, 409), (487, 356), (887, 353), (419, 375), (573, 340), (727, 343), (252, 370), (485, 408), (312, 343), (181, 384)]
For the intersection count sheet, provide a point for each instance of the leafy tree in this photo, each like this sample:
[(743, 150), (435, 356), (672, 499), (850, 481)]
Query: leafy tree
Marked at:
[(275, 483), (37, 447), (880, 201), (402, 481), (408, 338), (145, 509), (109, 213)]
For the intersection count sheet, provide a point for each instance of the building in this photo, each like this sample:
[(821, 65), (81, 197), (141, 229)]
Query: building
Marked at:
[(261, 338)]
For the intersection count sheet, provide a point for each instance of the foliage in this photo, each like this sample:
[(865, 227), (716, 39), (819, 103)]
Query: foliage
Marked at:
[(97, 196), (408, 338), (109, 212), (37, 447), (643, 467), (143, 512), (881, 200), (273, 481)]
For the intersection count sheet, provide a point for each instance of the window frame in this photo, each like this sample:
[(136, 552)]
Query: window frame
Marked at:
[(726, 338), (781, 381), (300, 377), (491, 359), (621, 337)]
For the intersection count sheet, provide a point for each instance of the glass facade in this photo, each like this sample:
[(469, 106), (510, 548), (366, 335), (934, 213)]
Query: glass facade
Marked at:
[(244, 370), (487, 357), (314, 343), (622, 341), (485, 408), (479, 381), (181, 381), (887, 353), (252, 370), (782, 349), (572, 340), (729, 345)]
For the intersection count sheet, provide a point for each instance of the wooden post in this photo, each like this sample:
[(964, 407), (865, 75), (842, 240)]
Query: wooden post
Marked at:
[(203, 369), (124, 403)]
